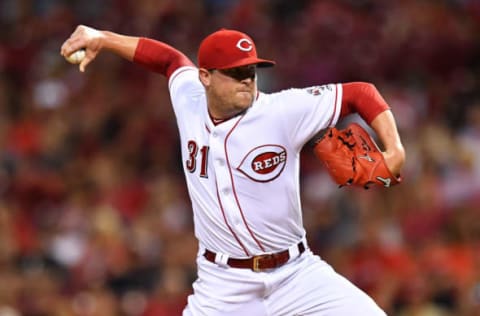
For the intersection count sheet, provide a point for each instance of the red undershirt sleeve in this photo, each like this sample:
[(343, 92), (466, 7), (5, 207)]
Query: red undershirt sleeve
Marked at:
[(362, 98), (159, 57)]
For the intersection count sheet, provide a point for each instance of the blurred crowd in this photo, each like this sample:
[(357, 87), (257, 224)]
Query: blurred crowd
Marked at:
[(94, 214)]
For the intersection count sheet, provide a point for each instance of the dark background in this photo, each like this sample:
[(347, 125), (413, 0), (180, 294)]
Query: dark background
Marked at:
[(94, 214)]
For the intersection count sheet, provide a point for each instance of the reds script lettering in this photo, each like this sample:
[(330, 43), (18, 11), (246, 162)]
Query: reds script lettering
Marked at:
[(267, 162), (264, 163)]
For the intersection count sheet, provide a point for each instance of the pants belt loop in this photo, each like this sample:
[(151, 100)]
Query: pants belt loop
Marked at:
[(221, 259), (294, 251)]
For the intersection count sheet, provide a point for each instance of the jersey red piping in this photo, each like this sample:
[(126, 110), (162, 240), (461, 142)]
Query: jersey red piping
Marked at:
[(233, 185), (226, 223), (334, 106)]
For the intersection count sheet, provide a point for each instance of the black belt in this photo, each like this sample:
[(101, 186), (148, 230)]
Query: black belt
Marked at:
[(258, 263)]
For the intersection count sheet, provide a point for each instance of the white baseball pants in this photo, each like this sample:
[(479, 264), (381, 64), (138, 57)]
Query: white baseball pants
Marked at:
[(305, 286)]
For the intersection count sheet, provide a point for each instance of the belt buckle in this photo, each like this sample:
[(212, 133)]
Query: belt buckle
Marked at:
[(256, 261)]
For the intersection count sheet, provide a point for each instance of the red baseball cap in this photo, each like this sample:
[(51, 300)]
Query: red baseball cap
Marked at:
[(225, 49)]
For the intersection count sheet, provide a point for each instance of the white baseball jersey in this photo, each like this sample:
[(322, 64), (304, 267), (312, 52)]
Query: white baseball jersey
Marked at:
[(243, 174)]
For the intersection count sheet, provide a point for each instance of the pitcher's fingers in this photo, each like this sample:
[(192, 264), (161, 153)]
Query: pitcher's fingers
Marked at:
[(88, 58), (72, 45), (80, 29), (65, 48)]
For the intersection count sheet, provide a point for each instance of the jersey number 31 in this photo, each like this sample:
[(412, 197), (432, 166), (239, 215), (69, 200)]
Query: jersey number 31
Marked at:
[(191, 163)]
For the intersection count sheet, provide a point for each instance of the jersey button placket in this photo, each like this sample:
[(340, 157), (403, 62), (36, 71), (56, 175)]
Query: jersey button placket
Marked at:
[(220, 169), (224, 184)]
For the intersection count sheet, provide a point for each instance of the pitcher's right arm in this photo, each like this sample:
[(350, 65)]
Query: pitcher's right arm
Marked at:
[(154, 55)]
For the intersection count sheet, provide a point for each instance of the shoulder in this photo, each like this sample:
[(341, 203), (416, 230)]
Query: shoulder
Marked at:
[(182, 74), (184, 80)]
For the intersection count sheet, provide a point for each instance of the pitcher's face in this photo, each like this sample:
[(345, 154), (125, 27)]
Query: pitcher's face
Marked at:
[(229, 91)]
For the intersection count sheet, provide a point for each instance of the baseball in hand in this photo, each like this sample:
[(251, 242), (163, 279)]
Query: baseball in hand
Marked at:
[(76, 57)]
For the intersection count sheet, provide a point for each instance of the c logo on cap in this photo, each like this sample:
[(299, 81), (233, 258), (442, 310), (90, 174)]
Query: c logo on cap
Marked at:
[(245, 45)]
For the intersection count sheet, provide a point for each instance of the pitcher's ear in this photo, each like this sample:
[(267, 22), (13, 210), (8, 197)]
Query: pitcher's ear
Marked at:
[(205, 76)]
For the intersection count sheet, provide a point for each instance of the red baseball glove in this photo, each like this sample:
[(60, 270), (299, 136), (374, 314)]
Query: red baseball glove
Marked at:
[(353, 158)]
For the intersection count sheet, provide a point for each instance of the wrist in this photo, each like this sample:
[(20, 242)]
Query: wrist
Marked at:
[(395, 158), (105, 40)]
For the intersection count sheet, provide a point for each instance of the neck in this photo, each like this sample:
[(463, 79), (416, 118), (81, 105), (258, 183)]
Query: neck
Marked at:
[(224, 115), (220, 111)]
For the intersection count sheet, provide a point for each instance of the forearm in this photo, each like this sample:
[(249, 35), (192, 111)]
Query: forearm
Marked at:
[(121, 45), (363, 98), (386, 129)]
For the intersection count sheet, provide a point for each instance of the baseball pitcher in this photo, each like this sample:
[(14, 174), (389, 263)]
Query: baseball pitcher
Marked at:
[(240, 153)]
